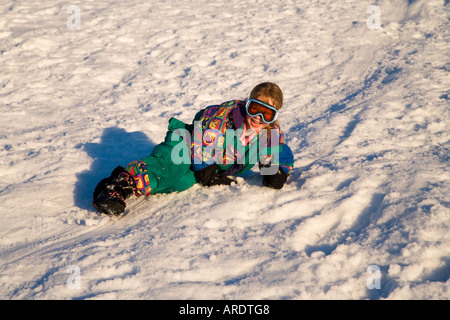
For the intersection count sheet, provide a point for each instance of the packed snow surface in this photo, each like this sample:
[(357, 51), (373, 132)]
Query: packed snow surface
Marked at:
[(364, 215)]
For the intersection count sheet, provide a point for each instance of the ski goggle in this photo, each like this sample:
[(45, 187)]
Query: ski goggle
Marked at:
[(255, 107)]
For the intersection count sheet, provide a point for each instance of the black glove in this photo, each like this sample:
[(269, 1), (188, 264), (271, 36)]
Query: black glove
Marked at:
[(210, 176), (275, 181)]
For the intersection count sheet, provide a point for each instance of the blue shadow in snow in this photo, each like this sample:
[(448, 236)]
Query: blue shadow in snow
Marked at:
[(116, 147)]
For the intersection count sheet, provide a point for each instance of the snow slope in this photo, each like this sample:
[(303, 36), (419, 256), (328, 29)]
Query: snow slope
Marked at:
[(366, 114)]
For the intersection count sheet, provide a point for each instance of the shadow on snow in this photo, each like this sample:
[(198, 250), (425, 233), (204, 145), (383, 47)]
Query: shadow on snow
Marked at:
[(116, 147)]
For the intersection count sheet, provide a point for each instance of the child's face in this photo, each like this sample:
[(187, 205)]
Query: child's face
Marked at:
[(256, 122)]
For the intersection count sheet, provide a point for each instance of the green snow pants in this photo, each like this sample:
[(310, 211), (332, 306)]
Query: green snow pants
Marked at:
[(157, 173)]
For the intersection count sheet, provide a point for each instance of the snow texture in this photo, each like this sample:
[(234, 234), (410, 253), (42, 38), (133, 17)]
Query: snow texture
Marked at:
[(366, 114)]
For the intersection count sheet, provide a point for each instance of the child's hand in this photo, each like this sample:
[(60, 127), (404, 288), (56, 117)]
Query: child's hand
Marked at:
[(210, 176), (275, 181)]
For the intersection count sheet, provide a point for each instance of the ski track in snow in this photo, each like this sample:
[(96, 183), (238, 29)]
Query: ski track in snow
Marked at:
[(366, 114)]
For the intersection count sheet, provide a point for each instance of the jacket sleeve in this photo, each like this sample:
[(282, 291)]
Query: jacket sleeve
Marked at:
[(194, 165), (285, 159), (208, 135), (281, 151)]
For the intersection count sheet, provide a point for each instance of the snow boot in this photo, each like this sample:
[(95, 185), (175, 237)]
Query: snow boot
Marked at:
[(110, 193)]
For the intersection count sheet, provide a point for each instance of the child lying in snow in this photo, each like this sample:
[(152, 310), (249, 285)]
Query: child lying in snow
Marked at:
[(223, 141)]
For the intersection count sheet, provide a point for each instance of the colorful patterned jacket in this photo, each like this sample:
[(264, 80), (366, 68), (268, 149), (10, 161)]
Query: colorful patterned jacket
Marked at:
[(217, 135)]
